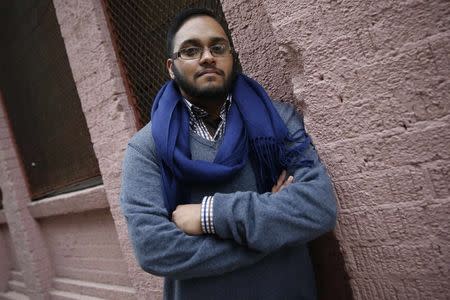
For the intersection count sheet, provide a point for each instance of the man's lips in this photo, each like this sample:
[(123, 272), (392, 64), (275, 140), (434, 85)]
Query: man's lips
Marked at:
[(209, 71)]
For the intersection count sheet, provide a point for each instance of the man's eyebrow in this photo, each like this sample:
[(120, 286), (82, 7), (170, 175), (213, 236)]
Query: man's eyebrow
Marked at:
[(218, 39), (190, 41), (198, 42)]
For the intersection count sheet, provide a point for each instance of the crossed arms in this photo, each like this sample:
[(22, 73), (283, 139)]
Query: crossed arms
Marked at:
[(248, 225), (187, 216)]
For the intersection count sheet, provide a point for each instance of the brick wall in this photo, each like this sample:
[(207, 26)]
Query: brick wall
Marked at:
[(374, 76)]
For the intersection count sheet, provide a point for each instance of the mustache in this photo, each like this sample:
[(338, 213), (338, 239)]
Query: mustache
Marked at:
[(209, 70)]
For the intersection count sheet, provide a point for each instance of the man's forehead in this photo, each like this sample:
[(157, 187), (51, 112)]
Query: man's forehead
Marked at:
[(199, 28)]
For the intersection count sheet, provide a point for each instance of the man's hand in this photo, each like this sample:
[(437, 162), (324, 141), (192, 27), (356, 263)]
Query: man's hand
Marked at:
[(282, 182), (187, 218)]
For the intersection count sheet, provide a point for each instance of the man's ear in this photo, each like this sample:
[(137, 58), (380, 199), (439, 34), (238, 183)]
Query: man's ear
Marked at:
[(169, 65)]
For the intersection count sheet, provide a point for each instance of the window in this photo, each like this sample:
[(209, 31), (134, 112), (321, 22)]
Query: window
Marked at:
[(41, 101)]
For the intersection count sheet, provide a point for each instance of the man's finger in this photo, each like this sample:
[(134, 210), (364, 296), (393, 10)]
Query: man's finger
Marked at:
[(280, 181), (287, 182), (281, 178)]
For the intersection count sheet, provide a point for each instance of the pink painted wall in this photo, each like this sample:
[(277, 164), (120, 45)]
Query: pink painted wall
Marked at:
[(30, 249), (67, 246), (84, 246), (7, 260), (11, 258), (109, 116), (375, 78)]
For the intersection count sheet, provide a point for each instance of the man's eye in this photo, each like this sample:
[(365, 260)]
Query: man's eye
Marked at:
[(218, 49), (190, 52)]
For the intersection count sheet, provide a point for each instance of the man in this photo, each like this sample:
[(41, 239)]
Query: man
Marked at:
[(204, 188)]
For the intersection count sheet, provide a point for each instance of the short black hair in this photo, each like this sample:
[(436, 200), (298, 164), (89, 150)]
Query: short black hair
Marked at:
[(182, 17)]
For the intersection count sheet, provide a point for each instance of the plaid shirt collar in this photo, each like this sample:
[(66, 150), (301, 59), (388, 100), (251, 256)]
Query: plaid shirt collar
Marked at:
[(198, 114)]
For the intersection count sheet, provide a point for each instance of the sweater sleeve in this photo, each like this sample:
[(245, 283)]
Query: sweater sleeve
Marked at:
[(298, 214), (160, 247)]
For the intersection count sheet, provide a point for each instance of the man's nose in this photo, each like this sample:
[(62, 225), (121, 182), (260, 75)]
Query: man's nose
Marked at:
[(206, 56)]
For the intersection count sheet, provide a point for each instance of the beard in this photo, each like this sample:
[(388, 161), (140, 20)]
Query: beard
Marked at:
[(207, 93)]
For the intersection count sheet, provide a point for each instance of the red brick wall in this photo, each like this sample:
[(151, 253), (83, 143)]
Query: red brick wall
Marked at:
[(375, 76)]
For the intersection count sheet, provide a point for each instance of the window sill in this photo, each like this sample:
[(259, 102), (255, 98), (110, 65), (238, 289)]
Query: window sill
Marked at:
[(69, 203)]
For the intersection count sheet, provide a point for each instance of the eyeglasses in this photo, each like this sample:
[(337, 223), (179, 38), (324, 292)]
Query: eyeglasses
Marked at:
[(190, 53)]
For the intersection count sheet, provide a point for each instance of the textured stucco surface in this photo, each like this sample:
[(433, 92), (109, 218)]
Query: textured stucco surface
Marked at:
[(70, 203), (84, 246), (6, 257), (259, 53), (109, 116), (375, 78), (26, 237)]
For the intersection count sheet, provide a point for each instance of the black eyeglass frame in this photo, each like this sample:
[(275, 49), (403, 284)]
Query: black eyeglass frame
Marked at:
[(177, 54)]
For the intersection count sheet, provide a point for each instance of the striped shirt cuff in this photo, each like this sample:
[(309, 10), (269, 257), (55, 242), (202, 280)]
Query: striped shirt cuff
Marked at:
[(207, 215)]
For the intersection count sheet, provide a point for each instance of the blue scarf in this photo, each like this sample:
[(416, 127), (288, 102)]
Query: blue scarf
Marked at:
[(254, 130)]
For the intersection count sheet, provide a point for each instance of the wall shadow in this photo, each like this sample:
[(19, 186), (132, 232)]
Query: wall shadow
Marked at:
[(332, 279)]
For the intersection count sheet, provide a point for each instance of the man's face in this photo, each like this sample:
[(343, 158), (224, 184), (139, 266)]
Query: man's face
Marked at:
[(207, 76)]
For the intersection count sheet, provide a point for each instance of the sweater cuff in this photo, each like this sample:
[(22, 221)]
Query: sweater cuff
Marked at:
[(207, 215)]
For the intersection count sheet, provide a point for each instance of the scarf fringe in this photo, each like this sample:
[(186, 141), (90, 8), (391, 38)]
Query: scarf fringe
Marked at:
[(272, 156)]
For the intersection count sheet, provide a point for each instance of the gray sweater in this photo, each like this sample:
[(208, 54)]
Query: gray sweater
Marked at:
[(259, 250)]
